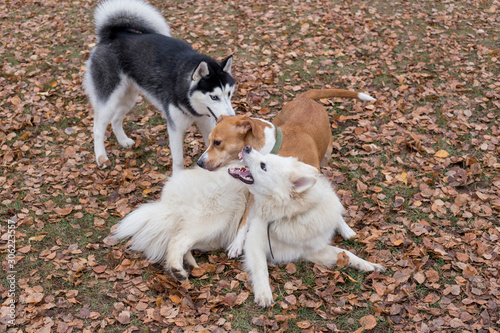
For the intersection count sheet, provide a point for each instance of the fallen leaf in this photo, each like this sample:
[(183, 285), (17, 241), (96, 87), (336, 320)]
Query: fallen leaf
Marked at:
[(174, 298), (36, 238), (419, 277), (368, 322), (291, 268), (99, 269), (431, 298), (304, 324), (342, 260), (63, 211), (124, 317), (442, 154)]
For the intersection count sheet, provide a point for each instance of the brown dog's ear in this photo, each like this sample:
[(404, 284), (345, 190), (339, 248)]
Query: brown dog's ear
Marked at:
[(221, 118), (244, 125)]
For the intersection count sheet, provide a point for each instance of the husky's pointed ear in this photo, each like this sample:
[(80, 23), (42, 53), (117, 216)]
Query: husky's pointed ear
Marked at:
[(226, 64), (200, 72)]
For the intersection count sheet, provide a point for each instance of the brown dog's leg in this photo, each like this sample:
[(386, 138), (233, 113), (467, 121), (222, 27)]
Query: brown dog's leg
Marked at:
[(235, 249), (328, 154), (245, 214)]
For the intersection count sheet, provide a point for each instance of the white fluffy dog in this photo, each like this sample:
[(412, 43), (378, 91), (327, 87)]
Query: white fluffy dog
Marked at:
[(198, 210), (294, 217)]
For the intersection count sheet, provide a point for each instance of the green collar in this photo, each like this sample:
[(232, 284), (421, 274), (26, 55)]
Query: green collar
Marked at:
[(279, 140)]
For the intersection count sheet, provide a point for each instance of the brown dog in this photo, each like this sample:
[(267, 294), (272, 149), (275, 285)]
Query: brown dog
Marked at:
[(301, 130)]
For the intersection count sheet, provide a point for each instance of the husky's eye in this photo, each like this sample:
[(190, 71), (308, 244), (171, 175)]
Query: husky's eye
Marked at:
[(263, 166), (217, 143), (214, 98)]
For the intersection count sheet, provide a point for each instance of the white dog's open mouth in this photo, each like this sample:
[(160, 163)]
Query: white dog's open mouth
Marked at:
[(242, 174)]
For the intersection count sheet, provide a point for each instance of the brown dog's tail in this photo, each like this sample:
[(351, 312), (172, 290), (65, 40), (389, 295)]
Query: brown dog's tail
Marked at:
[(329, 93)]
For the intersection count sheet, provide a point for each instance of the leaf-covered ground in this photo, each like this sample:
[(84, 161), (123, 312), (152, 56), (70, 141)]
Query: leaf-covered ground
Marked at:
[(418, 170)]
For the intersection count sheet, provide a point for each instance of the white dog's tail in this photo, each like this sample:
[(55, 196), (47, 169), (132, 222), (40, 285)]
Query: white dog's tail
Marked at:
[(113, 16), (150, 228)]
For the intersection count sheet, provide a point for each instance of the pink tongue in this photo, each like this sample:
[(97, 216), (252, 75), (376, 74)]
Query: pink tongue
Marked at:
[(244, 172), (241, 173)]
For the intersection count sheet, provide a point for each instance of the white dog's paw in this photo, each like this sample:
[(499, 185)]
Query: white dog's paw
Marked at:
[(378, 268), (347, 233), (366, 266), (128, 142), (103, 161), (180, 274), (235, 249), (264, 298)]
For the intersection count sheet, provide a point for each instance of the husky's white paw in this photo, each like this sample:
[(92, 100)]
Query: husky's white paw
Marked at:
[(235, 249), (264, 298), (128, 142)]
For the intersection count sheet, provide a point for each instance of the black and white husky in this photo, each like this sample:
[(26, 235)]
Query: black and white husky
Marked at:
[(135, 53)]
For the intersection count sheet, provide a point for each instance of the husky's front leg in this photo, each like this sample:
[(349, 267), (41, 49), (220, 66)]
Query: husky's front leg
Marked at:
[(256, 261), (176, 128), (205, 125)]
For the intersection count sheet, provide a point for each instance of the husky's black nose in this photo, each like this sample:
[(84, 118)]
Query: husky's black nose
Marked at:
[(200, 163), (247, 149)]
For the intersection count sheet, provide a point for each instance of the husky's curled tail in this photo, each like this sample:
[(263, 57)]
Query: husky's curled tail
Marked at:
[(112, 17)]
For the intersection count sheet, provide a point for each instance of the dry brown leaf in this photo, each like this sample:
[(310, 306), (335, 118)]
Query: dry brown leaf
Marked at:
[(342, 259), (124, 317), (368, 322), (442, 154)]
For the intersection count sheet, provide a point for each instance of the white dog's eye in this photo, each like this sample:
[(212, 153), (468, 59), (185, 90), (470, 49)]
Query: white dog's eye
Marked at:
[(214, 98), (263, 166)]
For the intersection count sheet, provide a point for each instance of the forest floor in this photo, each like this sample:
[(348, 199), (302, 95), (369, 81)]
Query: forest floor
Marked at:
[(417, 170)]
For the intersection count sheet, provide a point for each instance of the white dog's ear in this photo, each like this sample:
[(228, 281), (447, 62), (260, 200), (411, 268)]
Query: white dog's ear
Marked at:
[(303, 183), (200, 72), (304, 178)]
